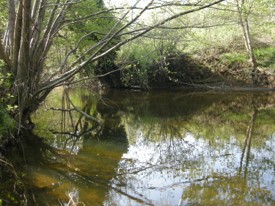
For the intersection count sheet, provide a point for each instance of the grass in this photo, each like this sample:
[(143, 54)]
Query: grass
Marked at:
[(266, 57), (234, 57)]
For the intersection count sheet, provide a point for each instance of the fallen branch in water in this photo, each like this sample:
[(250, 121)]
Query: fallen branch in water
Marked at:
[(62, 110), (64, 133), (83, 113)]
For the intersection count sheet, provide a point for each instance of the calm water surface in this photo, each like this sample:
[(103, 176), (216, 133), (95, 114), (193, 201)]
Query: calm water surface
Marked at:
[(158, 148)]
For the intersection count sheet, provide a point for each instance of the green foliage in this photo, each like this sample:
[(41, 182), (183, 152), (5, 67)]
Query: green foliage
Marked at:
[(6, 122), (146, 60), (3, 15), (135, 66), (6, 81), (266, 57), (234, 57), (90, 31), (97, 27)]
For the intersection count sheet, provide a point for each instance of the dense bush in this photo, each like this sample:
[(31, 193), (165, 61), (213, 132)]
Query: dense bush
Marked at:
[(159, 63)]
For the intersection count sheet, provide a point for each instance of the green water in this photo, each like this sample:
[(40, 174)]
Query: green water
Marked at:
[(153, 148)]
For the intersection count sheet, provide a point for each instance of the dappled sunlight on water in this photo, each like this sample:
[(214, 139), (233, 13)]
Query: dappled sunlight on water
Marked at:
[(158, 148)]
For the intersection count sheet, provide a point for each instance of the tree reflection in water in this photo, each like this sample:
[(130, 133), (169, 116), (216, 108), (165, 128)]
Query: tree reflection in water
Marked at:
[(247, 143), (87, 151), (172, 161), (160, 148)]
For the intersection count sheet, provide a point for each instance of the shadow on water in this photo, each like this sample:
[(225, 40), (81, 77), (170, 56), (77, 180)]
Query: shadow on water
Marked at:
[(56, 177), (155, 148)]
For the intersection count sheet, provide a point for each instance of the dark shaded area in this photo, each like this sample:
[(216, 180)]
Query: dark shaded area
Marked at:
[(178, 70), (182, 70), (108, 72)]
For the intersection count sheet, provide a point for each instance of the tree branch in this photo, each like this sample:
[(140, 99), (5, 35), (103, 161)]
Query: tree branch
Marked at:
[(83, 113)]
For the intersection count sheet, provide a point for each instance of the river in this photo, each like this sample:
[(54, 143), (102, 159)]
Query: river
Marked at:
[(161, 148)]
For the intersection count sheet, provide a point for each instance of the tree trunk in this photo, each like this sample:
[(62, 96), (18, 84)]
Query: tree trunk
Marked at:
[(22, 76), (243, 18), (248, 43)]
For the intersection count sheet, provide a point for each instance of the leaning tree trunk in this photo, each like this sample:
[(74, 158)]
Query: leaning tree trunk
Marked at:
[(248, 45), (243, 18)]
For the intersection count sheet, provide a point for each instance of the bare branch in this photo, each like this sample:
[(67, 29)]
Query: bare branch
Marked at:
[(11, 23), (62, 110), (53, 27), (75, 20), (196, 26), (38, 18), (76, 47), (17, 39), (35, 8), (38, 50), (130, 8), (96, 76)]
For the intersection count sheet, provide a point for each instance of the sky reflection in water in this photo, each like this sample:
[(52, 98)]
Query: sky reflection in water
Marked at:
[(165, 182)]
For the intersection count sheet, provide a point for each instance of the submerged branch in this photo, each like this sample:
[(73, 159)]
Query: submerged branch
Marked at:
[(62, 110), (83, 113)]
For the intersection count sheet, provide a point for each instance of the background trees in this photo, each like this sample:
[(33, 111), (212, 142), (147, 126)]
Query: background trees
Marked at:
[(232, 38)]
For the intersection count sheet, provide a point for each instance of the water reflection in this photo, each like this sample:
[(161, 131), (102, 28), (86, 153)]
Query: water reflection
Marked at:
[(158, 148)]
